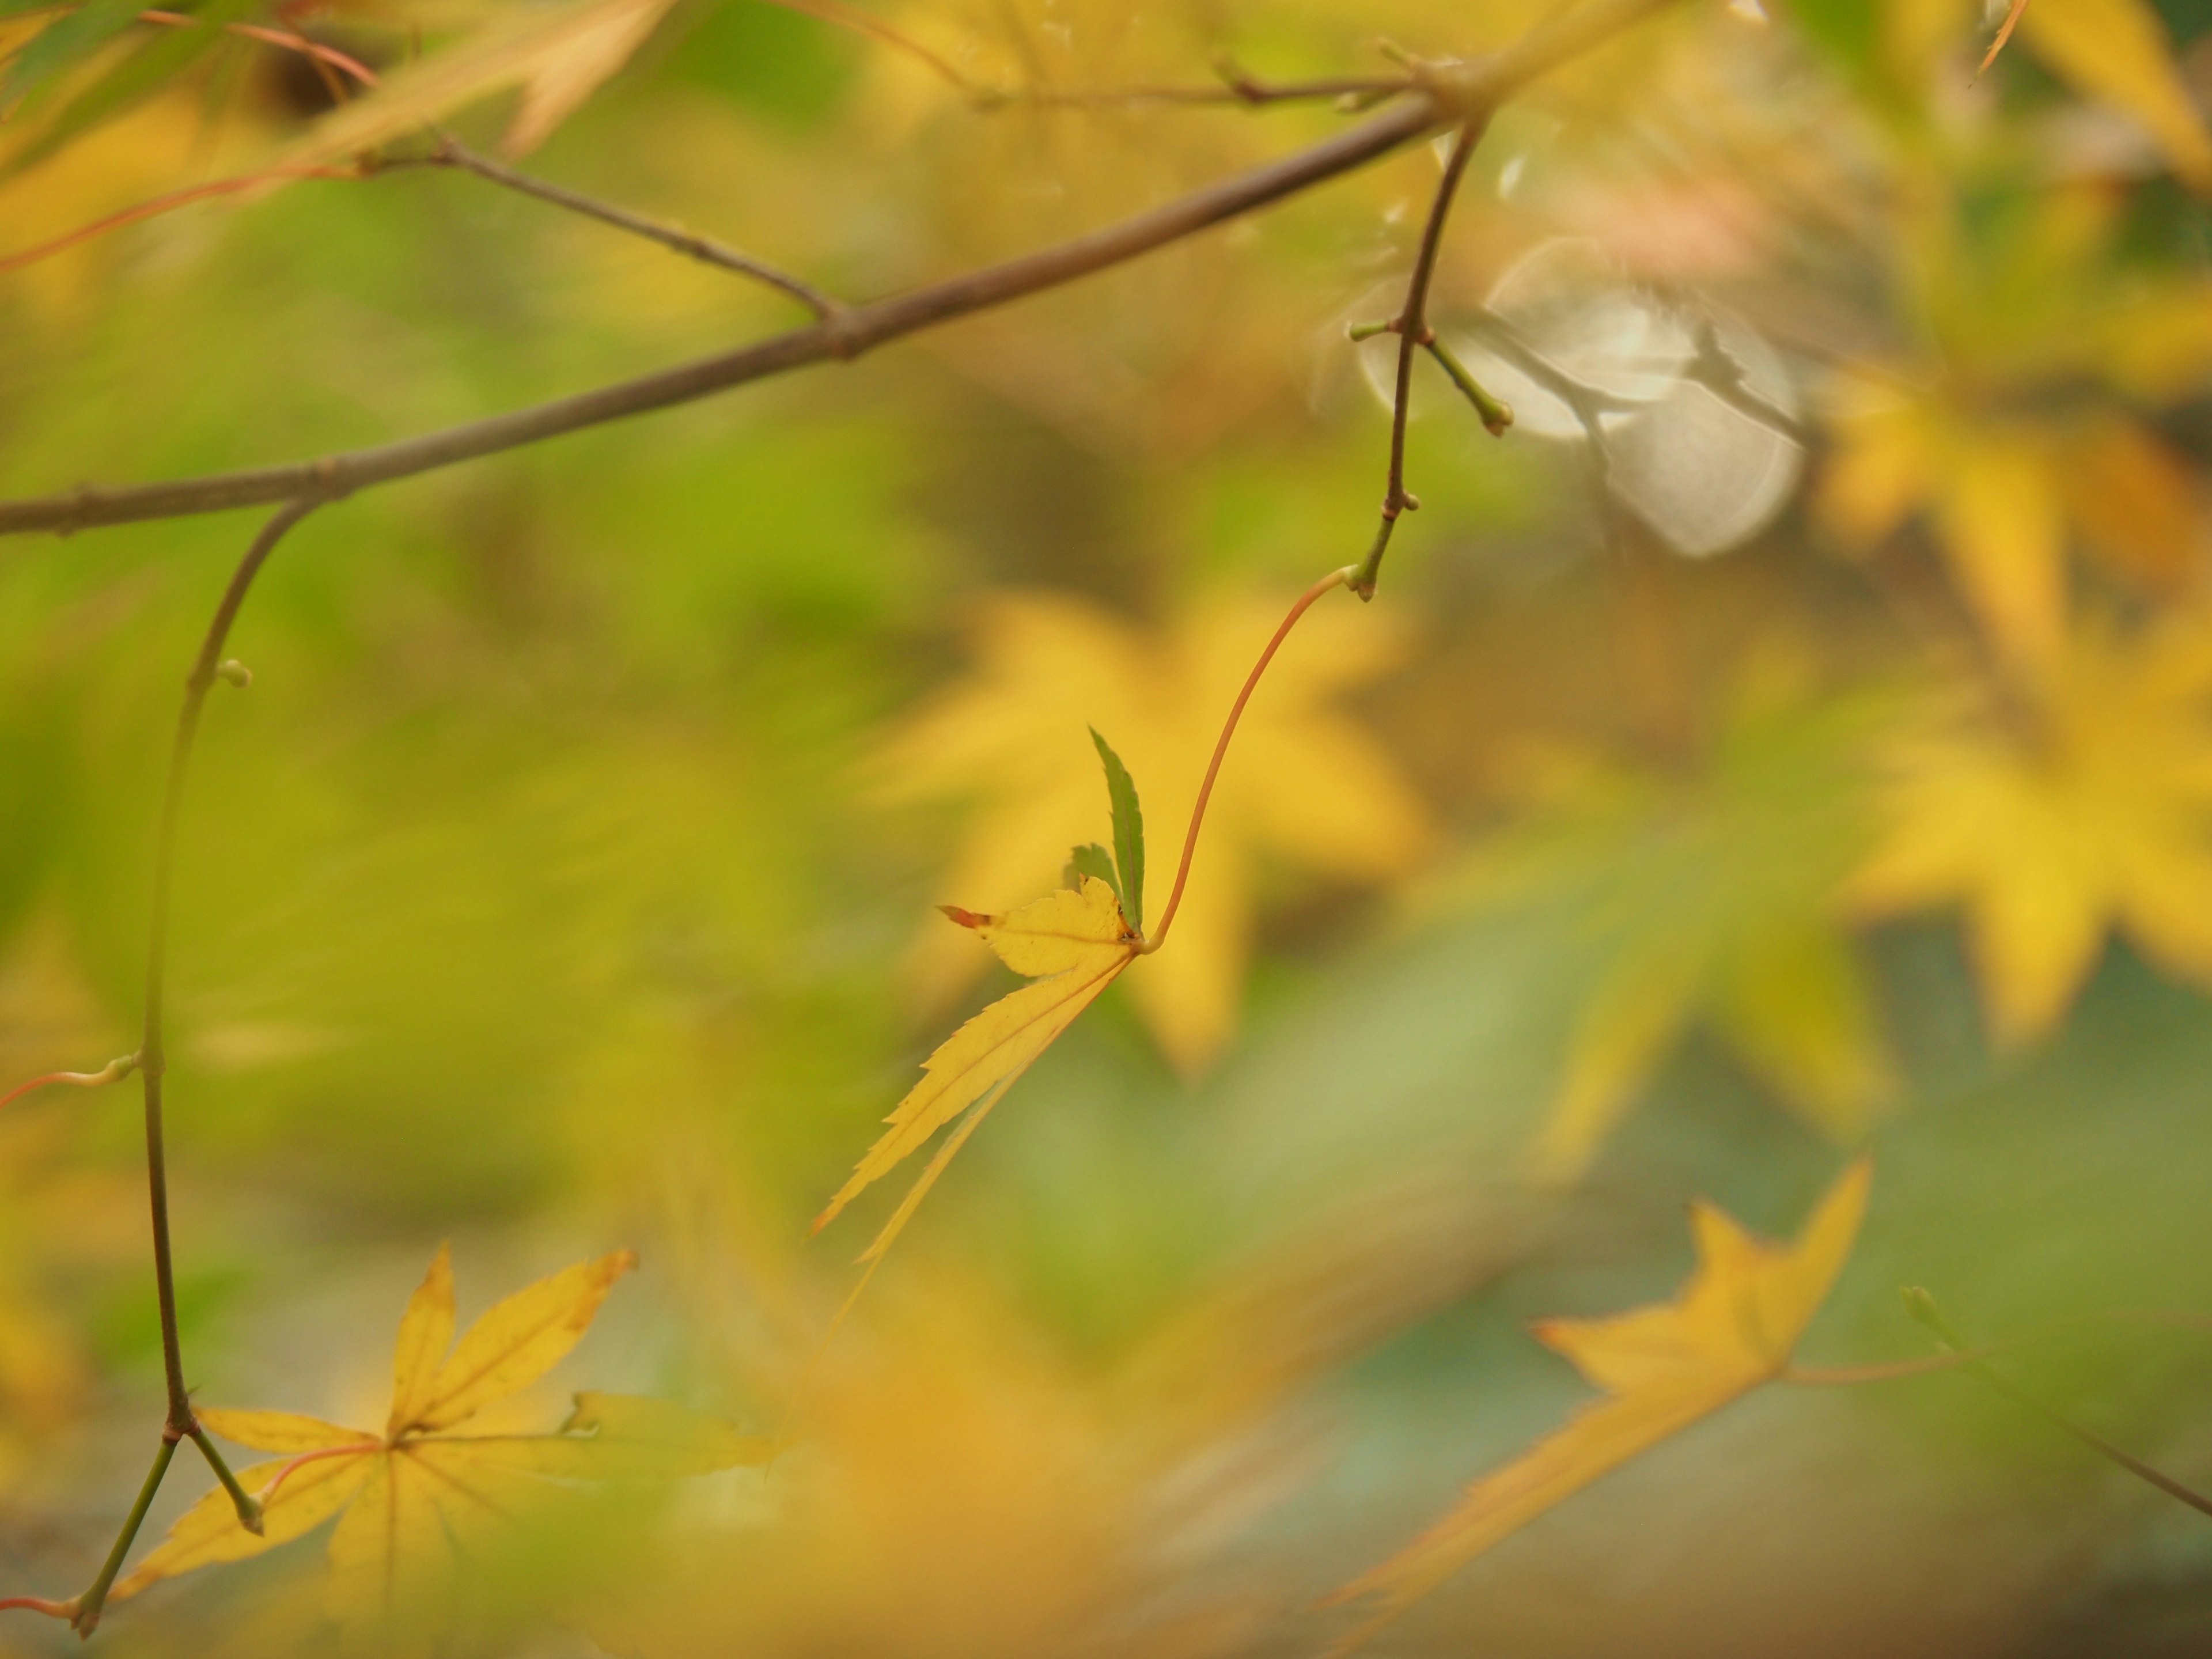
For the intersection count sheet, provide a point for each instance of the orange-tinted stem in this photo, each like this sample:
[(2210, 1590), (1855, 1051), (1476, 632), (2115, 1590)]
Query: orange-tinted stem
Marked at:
[(114, 1072), (312, 50), (160, 204), (1334, 579), (38, 1604)]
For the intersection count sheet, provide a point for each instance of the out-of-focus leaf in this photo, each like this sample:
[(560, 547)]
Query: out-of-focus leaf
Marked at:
[(2089, 810), (155, 65), (557, 56), (1074, 944), (2119, 50), (1733, 1326), (1711, 896), (1997, 512), (2138, 505), (1129, 833), (69, 39)]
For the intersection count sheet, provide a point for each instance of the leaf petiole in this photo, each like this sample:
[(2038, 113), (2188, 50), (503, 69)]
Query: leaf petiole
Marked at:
[(248, 1507)]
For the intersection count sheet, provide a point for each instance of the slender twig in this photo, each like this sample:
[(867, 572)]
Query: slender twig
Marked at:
[(179, 1422), (1412, 327), (153, 1050), (452, 153), (1497, 416), (1455, 100), (114, 1072), (1335, 579), (1922, 1307), (157, 205), (84, 1612)]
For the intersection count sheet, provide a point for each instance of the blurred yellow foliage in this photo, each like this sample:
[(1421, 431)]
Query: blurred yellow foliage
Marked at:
[(1709, 894), (2082, 807), (2005, 469), (1303, 783)]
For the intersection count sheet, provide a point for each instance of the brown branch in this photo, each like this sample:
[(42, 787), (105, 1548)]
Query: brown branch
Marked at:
[(452, 153), (1455, 97), (179, 1423), (1412, 327), (153, 1051)]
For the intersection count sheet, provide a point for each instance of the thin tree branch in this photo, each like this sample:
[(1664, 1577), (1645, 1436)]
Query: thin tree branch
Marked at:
[(1454, 98), (1412, 327), (452, 153), (153, 1051), (84, 1611), (179, 1422)]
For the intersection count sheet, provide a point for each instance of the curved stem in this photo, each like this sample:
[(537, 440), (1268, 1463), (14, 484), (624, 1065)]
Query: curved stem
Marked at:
[(153, 1052), (114, 1072), (1334, 579)]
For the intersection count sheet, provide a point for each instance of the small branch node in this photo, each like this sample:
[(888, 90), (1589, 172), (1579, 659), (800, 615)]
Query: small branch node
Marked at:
[(234, 673)]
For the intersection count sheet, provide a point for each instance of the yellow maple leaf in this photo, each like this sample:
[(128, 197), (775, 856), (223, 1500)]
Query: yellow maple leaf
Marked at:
[(2052, 822), (1304, 785), (415, 1494), (1073, 945), (1733, 1326)]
